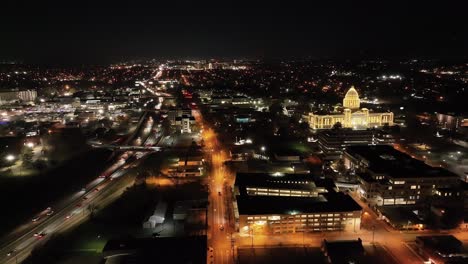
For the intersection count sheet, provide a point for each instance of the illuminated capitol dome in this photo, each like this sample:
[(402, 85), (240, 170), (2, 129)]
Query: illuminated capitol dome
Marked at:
[(352, 116), (351, 99)]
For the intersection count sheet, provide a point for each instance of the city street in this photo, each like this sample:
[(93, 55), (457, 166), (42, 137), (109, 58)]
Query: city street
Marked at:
[(220, 224)]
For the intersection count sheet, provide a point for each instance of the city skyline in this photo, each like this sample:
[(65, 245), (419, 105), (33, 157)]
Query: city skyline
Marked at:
[(233, 132)]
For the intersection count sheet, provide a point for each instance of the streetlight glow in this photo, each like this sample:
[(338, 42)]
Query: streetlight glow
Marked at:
[(10, 157)]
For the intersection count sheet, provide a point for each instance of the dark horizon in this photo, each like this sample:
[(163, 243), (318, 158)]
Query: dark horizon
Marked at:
[(87, 33)]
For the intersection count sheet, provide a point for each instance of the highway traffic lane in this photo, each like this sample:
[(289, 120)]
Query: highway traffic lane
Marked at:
[(78, 215), (28, 245), (12, 242)]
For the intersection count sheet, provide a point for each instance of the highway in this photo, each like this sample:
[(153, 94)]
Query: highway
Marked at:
[(76, 208)]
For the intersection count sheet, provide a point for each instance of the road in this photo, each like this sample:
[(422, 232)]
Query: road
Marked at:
[(76, 208), (373, 230), (220, 221)]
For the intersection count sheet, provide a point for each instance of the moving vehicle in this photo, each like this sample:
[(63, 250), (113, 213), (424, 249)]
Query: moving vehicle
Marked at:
[(40, 235)]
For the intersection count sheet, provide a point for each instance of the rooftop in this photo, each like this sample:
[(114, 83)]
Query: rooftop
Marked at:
[(263, 205), (445, 244), (385, 159), (283, 181), (344, 251)]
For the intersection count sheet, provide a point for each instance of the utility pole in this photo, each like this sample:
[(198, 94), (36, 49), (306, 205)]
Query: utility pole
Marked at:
[(251, 235), (303, 243)]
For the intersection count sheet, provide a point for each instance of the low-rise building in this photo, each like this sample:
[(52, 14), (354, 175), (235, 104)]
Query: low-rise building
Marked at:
[(277, 184), (441, 249), (289, 203), (343, 251), (280, 214), (390, 177), (452, 121), (334, 141), (185, 123), (190, 165)]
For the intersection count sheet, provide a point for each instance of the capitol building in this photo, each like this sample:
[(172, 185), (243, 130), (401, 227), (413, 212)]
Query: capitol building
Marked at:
[(350, 116)]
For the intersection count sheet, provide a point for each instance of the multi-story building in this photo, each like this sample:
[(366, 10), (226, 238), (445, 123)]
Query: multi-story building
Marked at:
[(18, 95), (351, 116), (332, 142), (185, 122), (452, 121), (280, 214), (278, 184), (289, 203), (390, 177)]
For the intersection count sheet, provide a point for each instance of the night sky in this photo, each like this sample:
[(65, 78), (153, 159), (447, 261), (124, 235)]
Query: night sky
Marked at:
[(82, 31)]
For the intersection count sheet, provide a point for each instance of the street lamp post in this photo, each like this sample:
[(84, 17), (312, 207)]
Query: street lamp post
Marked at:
[(303, 234), (373, 234), (263, 151)]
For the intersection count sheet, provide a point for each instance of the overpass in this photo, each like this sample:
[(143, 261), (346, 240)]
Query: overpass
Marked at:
[(125, 147)]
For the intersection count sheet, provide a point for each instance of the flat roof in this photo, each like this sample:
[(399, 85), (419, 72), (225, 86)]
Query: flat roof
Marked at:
[(265, 205), (344, 251), (445, 244), (385, 159), (282, 181)]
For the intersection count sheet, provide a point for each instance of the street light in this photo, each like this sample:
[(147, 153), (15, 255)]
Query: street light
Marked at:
[(10, 157)]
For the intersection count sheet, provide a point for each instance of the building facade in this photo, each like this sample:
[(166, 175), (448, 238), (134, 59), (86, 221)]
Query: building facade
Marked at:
[(352, 116), (21, 95), (289, 203), (277, 215), (389, 177), (333, 142)]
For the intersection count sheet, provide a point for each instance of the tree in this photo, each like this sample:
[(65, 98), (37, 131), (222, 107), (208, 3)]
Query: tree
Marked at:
[(276, 109), (386, 127), (337, 126), (27, 156), (340, 166), (166, 126)]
